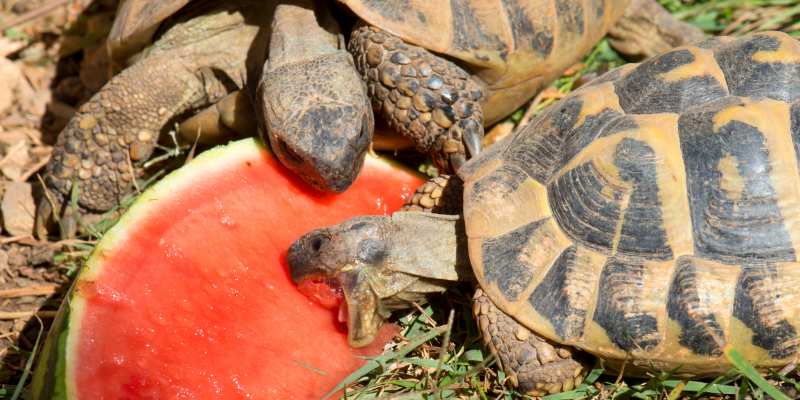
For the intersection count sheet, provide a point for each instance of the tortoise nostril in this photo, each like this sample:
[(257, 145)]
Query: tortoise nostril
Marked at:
[(316, 244)]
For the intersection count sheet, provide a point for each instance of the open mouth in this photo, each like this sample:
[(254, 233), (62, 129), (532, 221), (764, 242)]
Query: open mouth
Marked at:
[(325, 292)]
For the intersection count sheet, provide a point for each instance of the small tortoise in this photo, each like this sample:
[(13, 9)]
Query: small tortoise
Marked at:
[(650, 218), (313, 102)]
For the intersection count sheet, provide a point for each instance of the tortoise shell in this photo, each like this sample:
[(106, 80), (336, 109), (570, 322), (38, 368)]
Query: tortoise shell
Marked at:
[(654, 214), (514, 46), (135, 24)]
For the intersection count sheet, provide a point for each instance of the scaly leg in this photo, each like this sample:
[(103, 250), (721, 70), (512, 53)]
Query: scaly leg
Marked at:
[(430, 100), (440, 195), (533, 364), (102, 149)]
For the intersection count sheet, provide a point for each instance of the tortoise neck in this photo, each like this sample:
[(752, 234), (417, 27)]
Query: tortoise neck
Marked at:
[(431, 246), (302, 30)]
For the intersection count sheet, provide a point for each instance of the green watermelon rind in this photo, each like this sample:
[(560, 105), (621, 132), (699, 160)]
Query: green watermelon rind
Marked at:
[(52, 379)]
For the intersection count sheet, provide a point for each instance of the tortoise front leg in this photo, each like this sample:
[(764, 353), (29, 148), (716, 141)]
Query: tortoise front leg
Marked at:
[(103, 148), (428, 99), (534, 365)]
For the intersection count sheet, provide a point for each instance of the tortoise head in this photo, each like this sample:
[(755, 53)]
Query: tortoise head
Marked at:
[(372, 267), (319, 119)]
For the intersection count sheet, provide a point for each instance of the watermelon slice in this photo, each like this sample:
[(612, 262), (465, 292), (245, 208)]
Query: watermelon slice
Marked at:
[(189, 297)]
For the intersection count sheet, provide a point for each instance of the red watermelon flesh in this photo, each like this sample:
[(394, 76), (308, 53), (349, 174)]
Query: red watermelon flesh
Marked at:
[(189, 297)]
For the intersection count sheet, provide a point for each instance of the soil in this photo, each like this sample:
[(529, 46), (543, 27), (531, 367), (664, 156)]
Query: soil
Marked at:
[(49, 52)]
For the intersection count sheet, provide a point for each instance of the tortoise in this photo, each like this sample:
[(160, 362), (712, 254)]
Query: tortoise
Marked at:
[(312, 102), (651, 218)]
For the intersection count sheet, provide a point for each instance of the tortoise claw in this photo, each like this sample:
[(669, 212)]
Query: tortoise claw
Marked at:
[(44, 218), (68, 224), (53, 210), (472, 138)]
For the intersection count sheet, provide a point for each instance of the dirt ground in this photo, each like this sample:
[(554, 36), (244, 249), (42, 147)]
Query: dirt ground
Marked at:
[(50, 62)]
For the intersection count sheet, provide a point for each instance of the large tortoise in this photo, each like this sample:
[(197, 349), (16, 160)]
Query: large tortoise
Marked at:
[(313, 103), (650, 218)]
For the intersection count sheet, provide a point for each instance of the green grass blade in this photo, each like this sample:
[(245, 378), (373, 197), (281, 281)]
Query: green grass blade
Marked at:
[(384, 358), (748, 371), (675, 393), (700, 387), (29, 363)]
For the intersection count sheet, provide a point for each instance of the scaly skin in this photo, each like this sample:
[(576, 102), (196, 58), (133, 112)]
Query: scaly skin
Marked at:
[(426, 98), (535, 365), (102, 149), (440, 195)]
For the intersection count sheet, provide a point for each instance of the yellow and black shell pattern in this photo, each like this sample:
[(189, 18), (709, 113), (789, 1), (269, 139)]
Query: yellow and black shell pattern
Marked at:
[(652, 217), (515, 47)]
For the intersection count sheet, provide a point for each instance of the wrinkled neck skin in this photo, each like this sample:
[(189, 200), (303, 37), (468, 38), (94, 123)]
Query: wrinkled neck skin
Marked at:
[(302, 30), (426, 255), (384, 264)]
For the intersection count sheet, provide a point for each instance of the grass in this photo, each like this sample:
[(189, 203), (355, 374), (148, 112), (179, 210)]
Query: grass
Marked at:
[(439, 353)]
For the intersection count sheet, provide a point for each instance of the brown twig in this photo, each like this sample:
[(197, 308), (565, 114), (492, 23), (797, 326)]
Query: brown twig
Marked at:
[(45, 9), (35, 168), (13, 239), (12, 315), (21, 145), (37, 290)]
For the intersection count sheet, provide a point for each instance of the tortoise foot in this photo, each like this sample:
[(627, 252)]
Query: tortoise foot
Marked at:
[(647, 29), (426, 98), (440, 195), (533, 364)]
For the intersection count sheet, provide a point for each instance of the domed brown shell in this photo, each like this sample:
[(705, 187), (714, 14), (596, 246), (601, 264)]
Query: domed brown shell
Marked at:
[(514, 46), (136, 22), (654, 214)]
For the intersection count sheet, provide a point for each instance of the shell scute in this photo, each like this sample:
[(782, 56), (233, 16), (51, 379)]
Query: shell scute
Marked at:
[(619, 310), (504, 260), (756, 306), (689, 306), (762, 65), (564, 295), (733, 179), (672, 82), (552, 140)]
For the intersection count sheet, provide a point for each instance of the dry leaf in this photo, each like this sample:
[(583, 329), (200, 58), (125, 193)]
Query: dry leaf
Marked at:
[(18, 209)]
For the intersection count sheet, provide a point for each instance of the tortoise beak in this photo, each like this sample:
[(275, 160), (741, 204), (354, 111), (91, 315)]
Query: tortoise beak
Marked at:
[(304, 258)]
